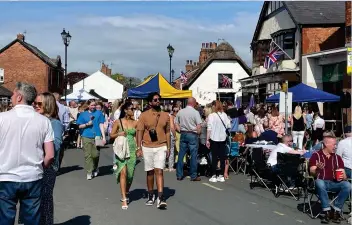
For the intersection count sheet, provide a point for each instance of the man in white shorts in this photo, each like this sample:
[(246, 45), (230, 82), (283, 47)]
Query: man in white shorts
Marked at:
[(153, 142)]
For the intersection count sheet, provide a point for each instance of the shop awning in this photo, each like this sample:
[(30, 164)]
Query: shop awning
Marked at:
[(157, 83), (305, 93)]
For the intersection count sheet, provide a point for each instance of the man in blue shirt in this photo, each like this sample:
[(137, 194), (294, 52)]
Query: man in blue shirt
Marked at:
[(91, 123)]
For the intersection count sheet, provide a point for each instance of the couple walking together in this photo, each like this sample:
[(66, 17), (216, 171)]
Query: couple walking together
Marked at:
[(150, 138)]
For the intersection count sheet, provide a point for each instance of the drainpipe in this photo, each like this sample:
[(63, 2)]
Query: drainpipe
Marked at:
[(300, 53)]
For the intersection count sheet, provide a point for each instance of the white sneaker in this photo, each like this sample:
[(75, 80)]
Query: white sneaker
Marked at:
[(89, 176), (96, 173), (221, 178), (213, 179)]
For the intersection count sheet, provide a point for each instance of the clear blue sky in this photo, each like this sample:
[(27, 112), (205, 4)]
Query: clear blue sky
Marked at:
[(149, 25)]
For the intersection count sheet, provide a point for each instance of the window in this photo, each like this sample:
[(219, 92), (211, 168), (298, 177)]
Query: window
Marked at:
[(225, 80), (273, 6), (286, 41)]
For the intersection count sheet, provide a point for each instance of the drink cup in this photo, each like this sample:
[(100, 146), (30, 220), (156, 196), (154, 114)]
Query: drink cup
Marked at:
[(338, 174)]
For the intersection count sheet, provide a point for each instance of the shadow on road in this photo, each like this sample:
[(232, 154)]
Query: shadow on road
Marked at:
[(105, 170), (68, 169), (138, 194), (79, 220)]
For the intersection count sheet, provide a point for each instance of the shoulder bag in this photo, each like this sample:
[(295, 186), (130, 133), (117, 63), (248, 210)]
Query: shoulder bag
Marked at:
[(226, 130), (120, 146)]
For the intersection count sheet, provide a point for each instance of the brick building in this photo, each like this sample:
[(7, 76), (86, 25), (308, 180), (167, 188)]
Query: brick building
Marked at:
[(22, 61), (298, 28)]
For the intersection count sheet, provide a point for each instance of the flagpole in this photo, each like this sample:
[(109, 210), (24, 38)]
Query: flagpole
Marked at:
[(272, 41), (181, 79)]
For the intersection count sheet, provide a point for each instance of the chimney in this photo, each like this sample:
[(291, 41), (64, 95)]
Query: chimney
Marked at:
[(207, 45), (210, 44), (189, 66), (108, 72), (216, 45), (20, 37), (348, 23), (104, 69), (194, 63), (203, 45)]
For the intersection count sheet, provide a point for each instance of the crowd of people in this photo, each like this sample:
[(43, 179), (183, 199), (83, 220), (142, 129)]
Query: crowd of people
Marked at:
[(34, 127)]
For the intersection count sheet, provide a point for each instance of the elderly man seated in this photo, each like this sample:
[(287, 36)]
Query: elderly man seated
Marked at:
[(284, 147), (328, 168)]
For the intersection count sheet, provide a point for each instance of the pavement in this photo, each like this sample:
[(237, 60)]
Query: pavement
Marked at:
[(97, 202)]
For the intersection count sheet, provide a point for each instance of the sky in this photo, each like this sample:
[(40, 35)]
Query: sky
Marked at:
[(130, 36)]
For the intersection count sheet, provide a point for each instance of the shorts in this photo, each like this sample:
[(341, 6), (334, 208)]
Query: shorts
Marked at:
[(154, 158)]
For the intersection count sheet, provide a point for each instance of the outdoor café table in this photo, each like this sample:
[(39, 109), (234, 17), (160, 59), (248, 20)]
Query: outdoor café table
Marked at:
[(269, 147)]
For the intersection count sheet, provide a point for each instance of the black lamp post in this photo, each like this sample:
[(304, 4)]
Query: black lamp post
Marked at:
[(172, 75), (170, 50), (66, 38)]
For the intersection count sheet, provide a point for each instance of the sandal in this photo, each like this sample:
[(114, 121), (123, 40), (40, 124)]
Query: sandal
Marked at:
[(124, 207)]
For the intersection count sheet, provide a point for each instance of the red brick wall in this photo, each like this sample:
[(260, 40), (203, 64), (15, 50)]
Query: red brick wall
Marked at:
[(316, 39), (348, 21), (21, 65)]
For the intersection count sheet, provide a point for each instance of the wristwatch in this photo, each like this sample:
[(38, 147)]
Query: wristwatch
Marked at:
[(138, 148)]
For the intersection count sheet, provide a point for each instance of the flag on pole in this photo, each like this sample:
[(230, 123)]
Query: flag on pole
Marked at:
[(273, 55), (183, 77)]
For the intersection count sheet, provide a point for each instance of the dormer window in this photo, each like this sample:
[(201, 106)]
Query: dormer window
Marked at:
[(273, 6)]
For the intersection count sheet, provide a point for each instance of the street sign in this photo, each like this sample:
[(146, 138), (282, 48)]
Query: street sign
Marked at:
[(282, 103)]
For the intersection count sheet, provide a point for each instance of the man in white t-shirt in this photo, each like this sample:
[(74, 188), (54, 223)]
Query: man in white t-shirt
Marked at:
[(23, 134), (344, 149), (284, 147)]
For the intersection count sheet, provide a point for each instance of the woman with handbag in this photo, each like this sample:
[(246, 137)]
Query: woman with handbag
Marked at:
[(91, 123), (124, 166), (217, 135)]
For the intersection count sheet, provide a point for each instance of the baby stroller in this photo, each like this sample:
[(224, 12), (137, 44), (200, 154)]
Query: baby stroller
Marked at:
[(204, 161), (71, 135)]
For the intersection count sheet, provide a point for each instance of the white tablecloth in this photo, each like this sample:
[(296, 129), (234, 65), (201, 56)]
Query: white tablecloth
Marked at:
[(270, 147)]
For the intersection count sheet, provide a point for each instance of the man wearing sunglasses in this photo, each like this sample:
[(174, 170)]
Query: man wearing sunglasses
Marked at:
[(153, 142)]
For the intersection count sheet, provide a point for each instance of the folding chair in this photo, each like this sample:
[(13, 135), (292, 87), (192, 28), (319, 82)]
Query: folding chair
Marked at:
[(234, 155), (288, 167), (309, 193), (260, 172)]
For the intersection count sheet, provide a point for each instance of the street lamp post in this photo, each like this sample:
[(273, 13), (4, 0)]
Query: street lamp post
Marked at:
[(172, 75), (170, 50), (66, 38)]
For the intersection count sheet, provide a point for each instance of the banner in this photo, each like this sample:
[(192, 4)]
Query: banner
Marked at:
[(349, 61)]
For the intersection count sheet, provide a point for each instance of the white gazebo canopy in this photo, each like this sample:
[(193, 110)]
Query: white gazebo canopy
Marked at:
[(80, 95)]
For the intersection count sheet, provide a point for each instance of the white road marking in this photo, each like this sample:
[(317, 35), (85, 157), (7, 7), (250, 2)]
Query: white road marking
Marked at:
[(278, 213), (248, 179), (300, 221), (211, 186), (253, 203)]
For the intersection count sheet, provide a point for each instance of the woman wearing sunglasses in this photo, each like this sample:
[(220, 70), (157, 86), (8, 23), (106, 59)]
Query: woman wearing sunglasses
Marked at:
[(124, 169), (45, 104)]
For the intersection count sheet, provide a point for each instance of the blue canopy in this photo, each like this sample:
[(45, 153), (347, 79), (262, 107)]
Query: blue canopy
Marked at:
[(305, 93)]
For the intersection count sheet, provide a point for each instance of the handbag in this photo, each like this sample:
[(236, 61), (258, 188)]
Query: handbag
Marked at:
[(120, 146), (226, 130)]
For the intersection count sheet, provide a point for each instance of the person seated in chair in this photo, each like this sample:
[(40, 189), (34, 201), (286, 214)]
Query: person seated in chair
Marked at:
[(328, 168), (268, 134), (284, 147)]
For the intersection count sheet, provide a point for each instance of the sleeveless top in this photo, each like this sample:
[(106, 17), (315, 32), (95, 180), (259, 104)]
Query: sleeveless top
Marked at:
[(298, 124)]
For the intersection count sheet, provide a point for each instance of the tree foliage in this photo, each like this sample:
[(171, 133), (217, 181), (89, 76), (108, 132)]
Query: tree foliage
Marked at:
[(126, 81)]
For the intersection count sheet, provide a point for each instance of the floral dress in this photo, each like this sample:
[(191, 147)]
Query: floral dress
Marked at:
[(130, 162)]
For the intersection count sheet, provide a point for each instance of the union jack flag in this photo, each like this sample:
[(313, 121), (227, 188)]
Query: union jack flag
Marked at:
[(226, 81), (272, 57), (183, 77)]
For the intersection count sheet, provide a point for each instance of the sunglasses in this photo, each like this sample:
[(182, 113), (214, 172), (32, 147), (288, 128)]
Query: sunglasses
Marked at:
[(38, 104), (156, 100)]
